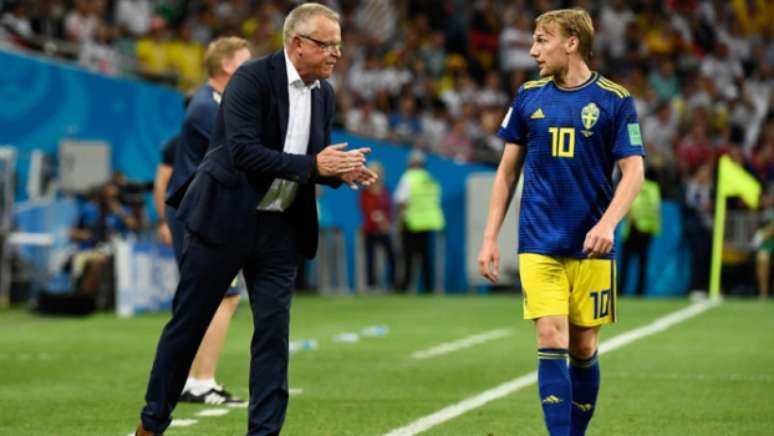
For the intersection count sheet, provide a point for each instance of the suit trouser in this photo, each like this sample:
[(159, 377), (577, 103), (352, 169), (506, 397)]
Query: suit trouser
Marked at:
[(266, 251), (177, 229)]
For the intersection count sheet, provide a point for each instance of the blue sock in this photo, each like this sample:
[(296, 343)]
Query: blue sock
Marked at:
[(555, 390), (585, 386)]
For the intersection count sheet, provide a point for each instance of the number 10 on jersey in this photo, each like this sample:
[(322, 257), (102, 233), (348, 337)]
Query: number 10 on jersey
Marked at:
[(562, 141)]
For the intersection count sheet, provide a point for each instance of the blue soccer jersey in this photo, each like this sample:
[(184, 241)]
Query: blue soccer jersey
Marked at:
[(573, 138)]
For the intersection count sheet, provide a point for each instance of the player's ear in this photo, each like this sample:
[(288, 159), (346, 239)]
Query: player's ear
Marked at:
[(571, 44)]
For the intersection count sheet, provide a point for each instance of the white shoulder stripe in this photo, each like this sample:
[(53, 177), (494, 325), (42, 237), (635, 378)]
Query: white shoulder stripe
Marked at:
[(507, 118)]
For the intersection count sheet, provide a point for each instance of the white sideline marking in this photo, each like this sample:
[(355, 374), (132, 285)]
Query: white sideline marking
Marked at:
[(470, 341), (468, 404), (244, 405), (183, 422), (213, 412), (685, 376)]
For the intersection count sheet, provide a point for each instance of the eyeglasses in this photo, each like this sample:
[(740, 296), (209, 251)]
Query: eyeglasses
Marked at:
[(329, 46)]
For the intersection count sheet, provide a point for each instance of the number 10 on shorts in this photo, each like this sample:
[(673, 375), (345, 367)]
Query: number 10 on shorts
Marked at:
[(601, 303)]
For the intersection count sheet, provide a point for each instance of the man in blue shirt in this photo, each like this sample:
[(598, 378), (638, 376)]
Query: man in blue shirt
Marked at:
[(99, 220), (567, 131)]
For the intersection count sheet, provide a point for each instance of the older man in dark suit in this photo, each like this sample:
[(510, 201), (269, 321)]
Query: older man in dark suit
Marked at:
[(250, 206)]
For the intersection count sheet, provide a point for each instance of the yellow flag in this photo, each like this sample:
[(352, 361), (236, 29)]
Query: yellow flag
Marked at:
[(733, 181)]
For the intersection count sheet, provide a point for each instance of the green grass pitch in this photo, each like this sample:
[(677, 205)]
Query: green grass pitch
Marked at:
[(710, 375)]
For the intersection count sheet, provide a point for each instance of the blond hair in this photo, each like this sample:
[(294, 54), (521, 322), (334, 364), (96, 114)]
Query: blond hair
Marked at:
[(220, 50), (572, 22), (299, 20)]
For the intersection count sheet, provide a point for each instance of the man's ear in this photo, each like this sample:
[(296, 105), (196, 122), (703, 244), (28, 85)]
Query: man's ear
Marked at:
[(571, 44)]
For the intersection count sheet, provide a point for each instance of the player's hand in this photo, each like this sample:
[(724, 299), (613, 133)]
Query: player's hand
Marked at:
[(334, 161), (361, 176), (165, 235), (489, 261), (599, 240)]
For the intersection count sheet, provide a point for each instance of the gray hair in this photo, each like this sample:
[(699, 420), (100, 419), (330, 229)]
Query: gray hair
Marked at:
[(299, 20)]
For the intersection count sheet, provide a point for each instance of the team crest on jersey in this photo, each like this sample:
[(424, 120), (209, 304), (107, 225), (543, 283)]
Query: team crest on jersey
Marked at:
[(589, 115)]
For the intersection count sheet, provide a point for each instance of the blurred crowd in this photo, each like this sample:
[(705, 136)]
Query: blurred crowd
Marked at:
[(438, 75)]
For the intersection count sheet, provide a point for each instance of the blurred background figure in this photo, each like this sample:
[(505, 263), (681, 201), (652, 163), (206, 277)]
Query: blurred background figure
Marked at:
[(376, 206), (418, 197), (764, 246), (644, 224), (100, 218), (697, 223)]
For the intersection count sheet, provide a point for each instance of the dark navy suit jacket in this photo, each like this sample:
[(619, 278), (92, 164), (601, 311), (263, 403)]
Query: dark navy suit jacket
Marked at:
[(245, 156)]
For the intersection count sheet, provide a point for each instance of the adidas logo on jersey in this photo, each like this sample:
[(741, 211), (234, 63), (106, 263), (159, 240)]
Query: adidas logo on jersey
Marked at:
[(537, 114)]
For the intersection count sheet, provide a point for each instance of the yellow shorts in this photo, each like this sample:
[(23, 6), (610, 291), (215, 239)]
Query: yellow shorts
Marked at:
[(584, 290)]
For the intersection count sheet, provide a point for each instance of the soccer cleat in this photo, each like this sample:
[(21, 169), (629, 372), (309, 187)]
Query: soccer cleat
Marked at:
[(215, 396)]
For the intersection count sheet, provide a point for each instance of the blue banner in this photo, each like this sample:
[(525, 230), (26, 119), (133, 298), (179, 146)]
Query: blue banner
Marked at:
[(45, 102)]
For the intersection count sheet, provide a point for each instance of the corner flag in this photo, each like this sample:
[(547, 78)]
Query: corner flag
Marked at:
[(733, 181)]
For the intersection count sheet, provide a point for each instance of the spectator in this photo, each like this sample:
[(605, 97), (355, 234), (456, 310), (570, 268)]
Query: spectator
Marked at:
[(376, 19), (365, 119), (764, 246), (762, 158), (663, 80), (186, 58), (132, 196), (695, 149), (152, 52), (418, 197), (660, 38), (515, 42), (659, 129), (457, 143), (697, 223), (203, 25), (98, 55), (458, 89), (404, 124), (483, 35), (614, 20), (48, 19), (16, 21), (434, 124), (133, 16), (644, 223), (433, 54), (81, 23), (365, 79), (376, 206), (100, 219), (489, 147), (723, 70), (492, 95)]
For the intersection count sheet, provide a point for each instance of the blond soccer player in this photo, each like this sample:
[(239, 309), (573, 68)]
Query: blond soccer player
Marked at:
[(566, 132)]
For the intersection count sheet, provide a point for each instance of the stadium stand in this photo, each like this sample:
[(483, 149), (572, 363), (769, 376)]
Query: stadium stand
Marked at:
[(437, 75)]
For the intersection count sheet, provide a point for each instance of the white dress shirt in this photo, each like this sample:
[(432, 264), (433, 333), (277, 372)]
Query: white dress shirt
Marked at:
[(282, 192)]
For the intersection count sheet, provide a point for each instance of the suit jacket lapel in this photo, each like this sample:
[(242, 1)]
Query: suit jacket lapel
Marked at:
[(280, 80), (316, 122)]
